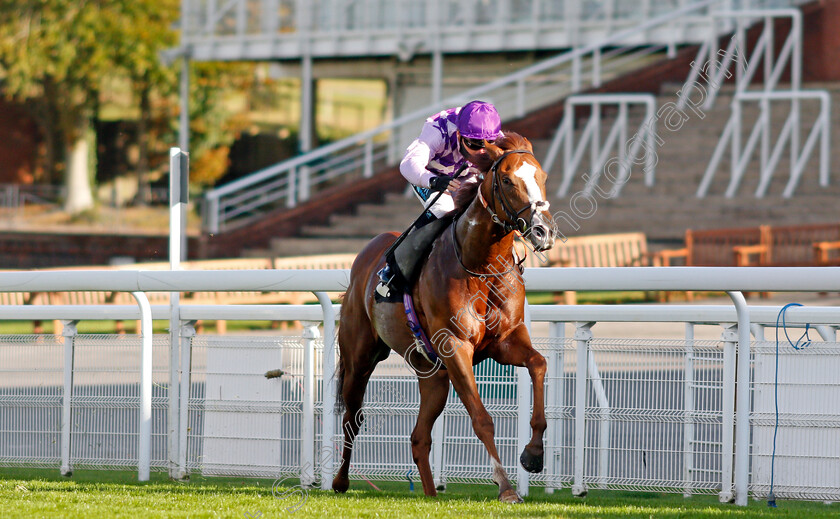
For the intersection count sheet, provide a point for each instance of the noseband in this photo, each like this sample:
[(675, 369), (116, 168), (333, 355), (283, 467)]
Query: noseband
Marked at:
[(513, 221)]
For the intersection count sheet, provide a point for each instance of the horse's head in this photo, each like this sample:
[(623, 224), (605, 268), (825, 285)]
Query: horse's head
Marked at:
[(514, 190)]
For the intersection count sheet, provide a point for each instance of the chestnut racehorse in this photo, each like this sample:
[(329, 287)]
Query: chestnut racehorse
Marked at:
[(469, 299)]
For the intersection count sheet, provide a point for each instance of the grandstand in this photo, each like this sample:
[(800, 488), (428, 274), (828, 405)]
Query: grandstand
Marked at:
[(334, 199)]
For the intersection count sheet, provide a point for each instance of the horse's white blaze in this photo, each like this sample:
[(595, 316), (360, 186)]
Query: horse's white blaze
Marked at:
[(528, 174)]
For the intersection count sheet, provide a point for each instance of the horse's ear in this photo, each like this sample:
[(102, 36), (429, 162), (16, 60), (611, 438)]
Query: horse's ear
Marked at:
[(491, 154), (493, 151)]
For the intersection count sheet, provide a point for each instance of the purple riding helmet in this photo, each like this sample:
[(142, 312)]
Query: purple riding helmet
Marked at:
[(479, 120)]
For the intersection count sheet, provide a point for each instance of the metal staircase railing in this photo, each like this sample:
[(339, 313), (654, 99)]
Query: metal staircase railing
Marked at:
[(788, 136), (788, 59), (600, 148), (292, 181)]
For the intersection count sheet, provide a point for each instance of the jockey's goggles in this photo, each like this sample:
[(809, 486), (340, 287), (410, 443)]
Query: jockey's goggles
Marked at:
[(476, 144)]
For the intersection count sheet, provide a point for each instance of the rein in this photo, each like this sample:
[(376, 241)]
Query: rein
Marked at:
[(457, 248)]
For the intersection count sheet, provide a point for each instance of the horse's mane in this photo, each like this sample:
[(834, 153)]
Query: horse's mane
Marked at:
[(508, 141)]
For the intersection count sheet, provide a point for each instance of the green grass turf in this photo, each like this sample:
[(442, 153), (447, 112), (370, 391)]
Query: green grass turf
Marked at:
[(88, 494)]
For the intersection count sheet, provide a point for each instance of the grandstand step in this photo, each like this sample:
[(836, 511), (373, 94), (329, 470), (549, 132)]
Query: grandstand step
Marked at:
[(312, 246)]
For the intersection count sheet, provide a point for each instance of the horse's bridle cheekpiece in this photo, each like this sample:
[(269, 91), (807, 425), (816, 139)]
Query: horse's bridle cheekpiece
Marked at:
[(514, 223), (512, 215)]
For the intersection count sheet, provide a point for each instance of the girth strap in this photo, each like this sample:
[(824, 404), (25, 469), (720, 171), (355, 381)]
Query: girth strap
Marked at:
[(417, 330)]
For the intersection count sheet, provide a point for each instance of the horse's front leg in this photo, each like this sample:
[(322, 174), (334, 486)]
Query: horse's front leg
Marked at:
[(459, 367), (516, 350)]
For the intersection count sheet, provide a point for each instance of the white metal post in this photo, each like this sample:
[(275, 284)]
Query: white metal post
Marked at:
[(523, 433), (438, 475), (69, 333), (688, 410), (144, 447), (523, 405), (307, 102), (187, 333), (437, 71), (303, 183), (825, 141), (742, 423), (583, 334), (730, 339), (554, 400), (291, 189), (329, 391), (596, 68), (605, 421), (576, 72), (184, 116), (307, 428), (178, 182), (569, 135), (368, 165)]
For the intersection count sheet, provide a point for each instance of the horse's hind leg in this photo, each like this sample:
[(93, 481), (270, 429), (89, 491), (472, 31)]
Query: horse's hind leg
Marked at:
[(433, 393), (357, 366)]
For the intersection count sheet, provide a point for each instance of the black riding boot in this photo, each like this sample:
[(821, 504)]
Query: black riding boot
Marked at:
[(400, 269)]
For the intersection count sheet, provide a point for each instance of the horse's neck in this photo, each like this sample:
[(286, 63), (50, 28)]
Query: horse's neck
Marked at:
[(482, 241)]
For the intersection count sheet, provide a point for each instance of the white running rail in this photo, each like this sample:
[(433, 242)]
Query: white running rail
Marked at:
[(736, 406)]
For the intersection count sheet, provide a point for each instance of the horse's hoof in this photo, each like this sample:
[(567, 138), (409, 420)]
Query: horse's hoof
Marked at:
[(510, 496), (340, 486), (530, 462)]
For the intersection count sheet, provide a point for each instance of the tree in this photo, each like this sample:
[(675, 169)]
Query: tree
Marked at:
[(54, 55), (57, 55)]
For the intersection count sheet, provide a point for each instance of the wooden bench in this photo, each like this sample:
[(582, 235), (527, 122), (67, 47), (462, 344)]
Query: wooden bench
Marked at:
[(763, 246), (597, 250), (825, 253)]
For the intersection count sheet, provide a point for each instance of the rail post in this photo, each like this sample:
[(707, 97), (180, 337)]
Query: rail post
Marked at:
[(69, 333)]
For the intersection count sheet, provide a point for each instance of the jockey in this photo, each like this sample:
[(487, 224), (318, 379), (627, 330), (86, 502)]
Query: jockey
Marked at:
[(449, 140)]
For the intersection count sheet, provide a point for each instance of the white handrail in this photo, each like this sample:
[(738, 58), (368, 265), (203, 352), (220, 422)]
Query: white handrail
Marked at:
[(600, 148), (769, 158), (747, 279)]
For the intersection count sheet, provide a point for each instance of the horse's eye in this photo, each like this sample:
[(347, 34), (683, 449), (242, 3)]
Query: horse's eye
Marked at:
[(506, 181)]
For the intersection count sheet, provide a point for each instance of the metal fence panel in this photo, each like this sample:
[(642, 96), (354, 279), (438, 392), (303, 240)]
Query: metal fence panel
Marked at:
[(106, 401), (31, 379), (807, 450)]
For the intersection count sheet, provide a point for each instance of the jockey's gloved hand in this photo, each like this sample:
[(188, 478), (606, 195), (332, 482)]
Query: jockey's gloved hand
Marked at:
[(439, 183)]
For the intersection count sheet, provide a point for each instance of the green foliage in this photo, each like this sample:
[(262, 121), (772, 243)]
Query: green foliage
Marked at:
[(58, 56)]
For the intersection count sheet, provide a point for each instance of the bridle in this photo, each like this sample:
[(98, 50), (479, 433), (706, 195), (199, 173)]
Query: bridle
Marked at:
[(513, 222), (519, 224)]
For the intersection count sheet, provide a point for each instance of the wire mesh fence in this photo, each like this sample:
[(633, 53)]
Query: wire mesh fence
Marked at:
[(654, 413)]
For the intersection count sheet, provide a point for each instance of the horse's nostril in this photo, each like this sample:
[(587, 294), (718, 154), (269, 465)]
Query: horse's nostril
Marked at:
[(539, 233)]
